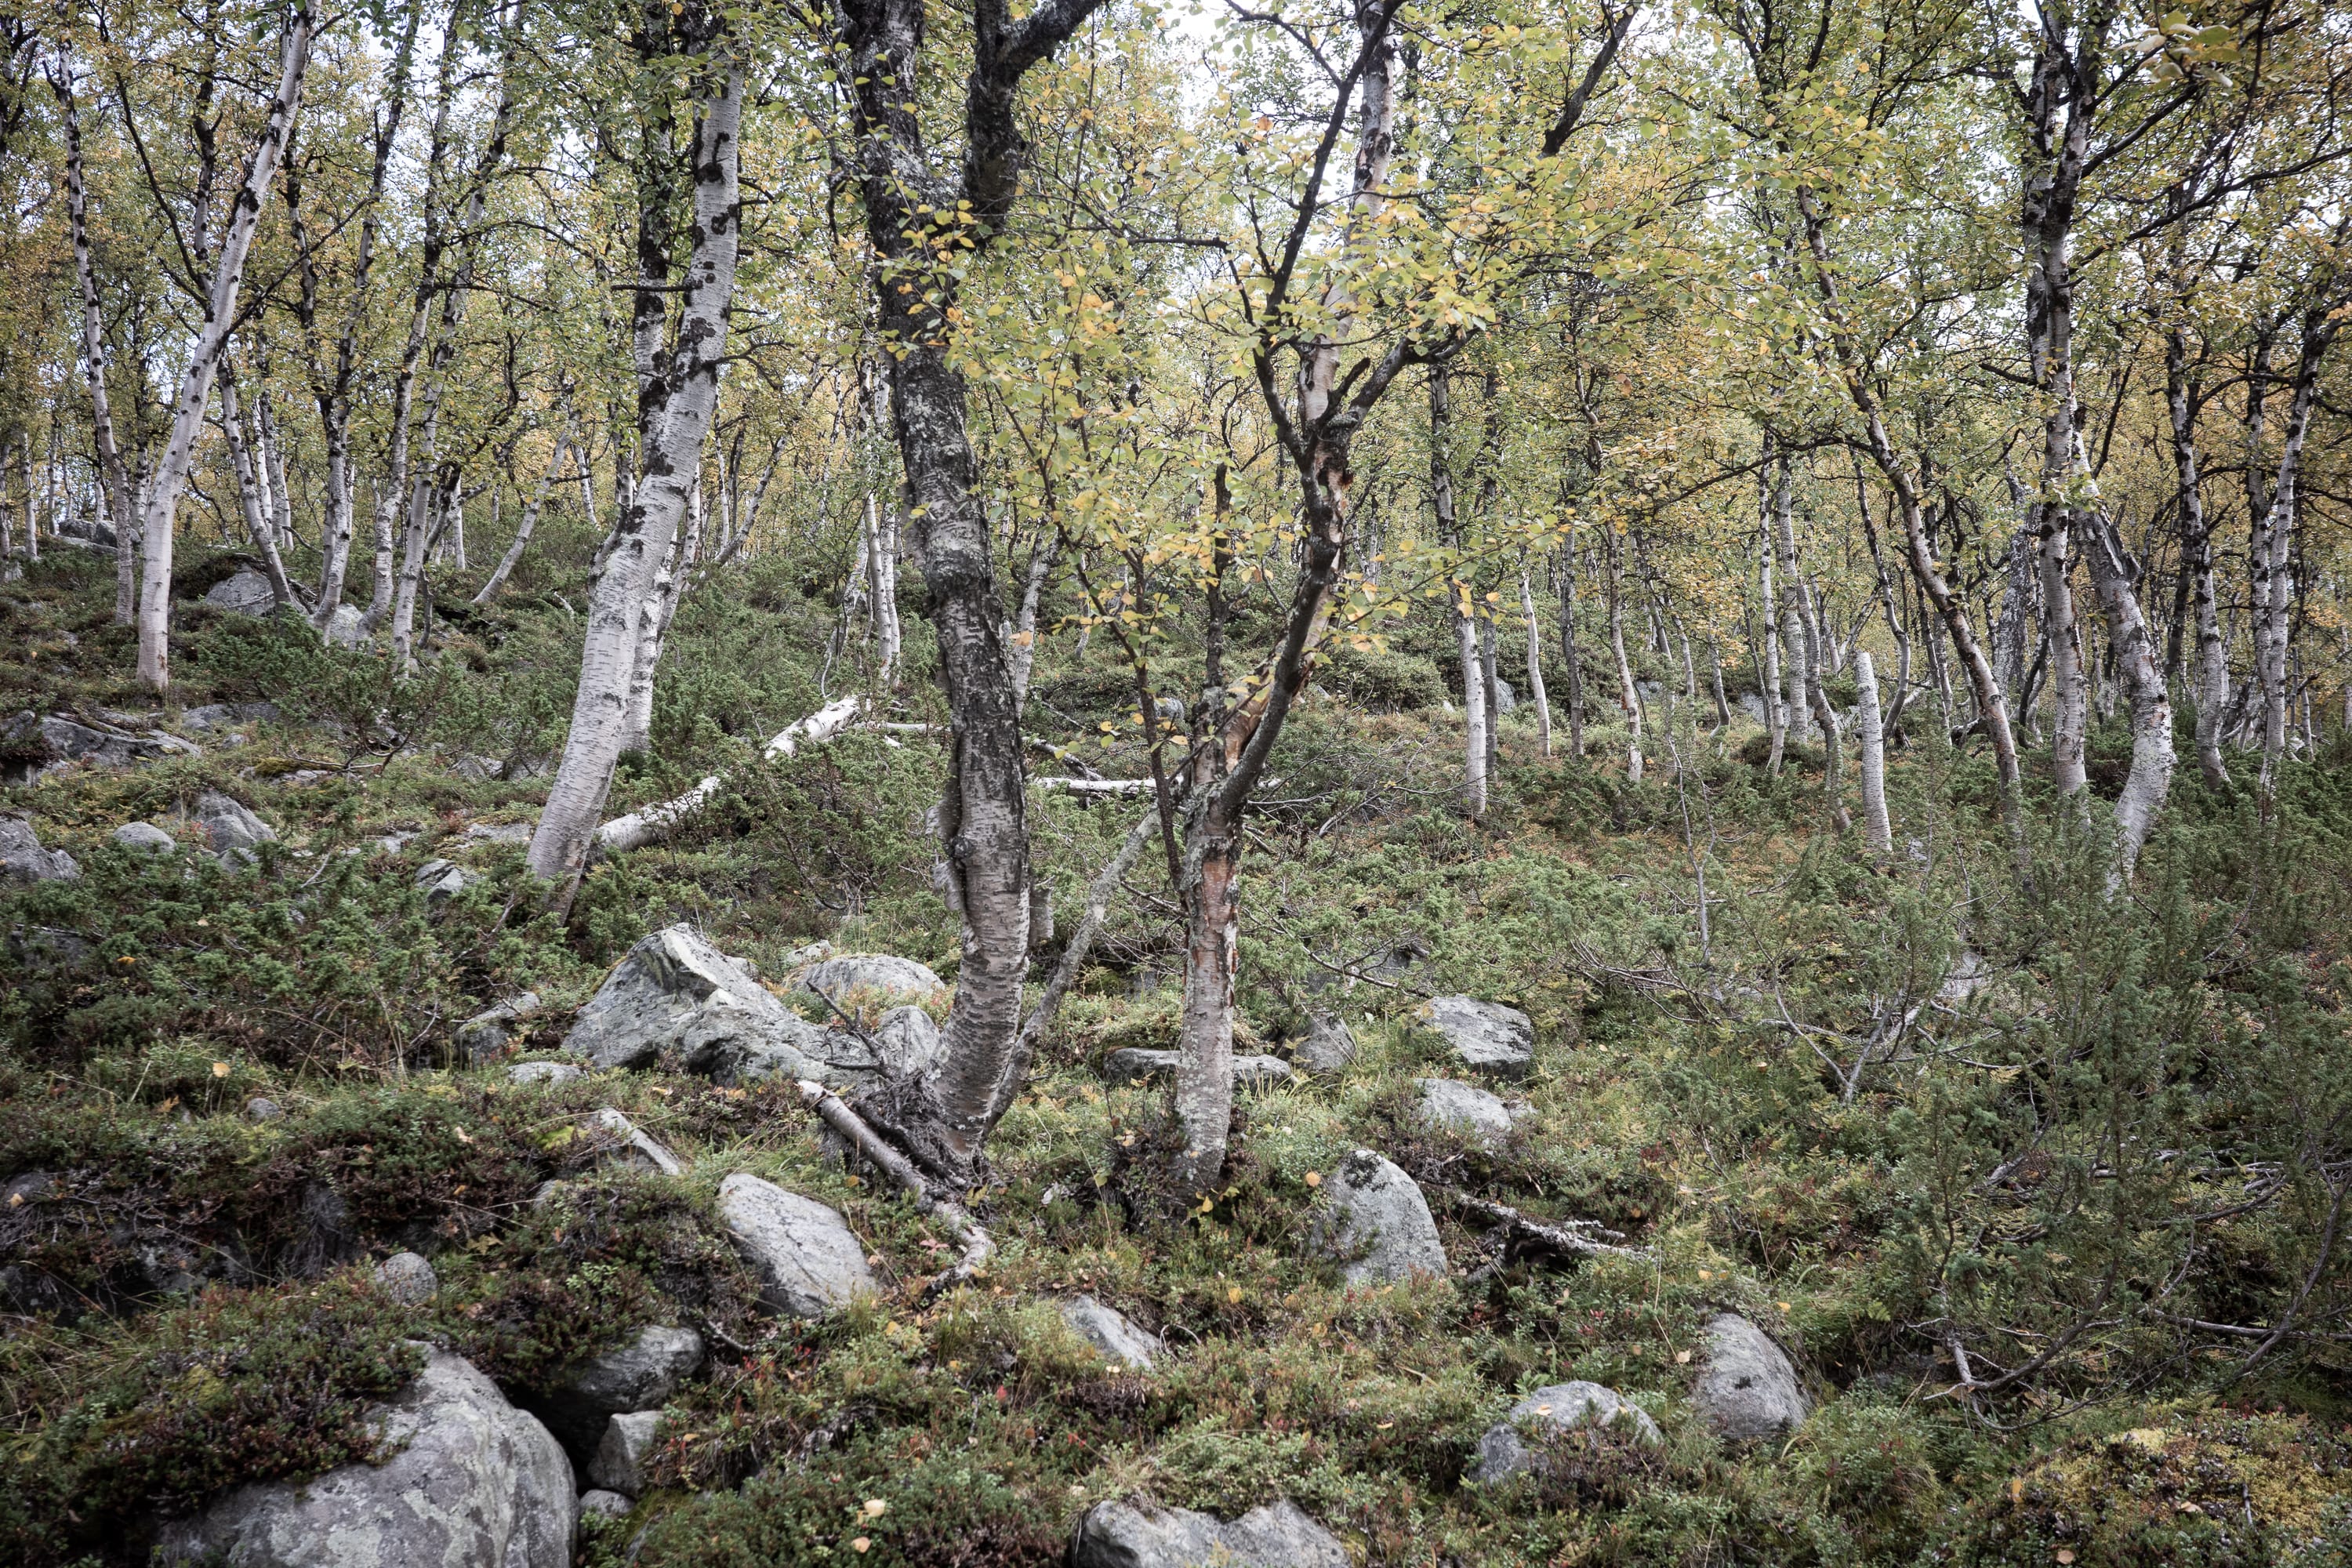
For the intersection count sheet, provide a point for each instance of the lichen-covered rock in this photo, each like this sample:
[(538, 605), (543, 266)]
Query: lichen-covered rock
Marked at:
[(1748, 1390), (633, 1147), (677, 992), (1135, 1065), (229, 824), (544, 1072), (145, 837), (620, 1461), (1486, 1038), (347, 628), (220, 715), (471, 1480), (1458, 1107), (877, 973), (261, 1108), (487, 1032), (442, 880), (407, 1278), (1375, 1217), (36, 743), (245, 592), (640, 1374), (1327, 1049), (601, 1504), (1504, 1453), (1111, 1332), (22, 858), (808, 1261), (1137, 1535)]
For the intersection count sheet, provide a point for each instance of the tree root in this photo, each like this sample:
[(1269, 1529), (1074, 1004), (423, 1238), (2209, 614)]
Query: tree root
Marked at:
[(978, 1245), (1553, 1235)]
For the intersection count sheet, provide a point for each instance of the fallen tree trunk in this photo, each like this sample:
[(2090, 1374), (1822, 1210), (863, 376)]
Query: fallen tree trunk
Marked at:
[(639, 828), (978, 1245)]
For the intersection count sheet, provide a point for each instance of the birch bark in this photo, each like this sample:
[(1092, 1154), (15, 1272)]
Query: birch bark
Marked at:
[(567, 825), (196, 387)]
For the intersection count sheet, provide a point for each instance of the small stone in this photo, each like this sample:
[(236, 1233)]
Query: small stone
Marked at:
[(442, 880), (619, 1464), (517, 833), (808, 1261), (1457, 1107), (22, 858), (547, 1192), (543, 1072), (261, 1109), (1485, 1036), (1327, 1049), (229, 825), (1134, 1534), (642, 1373), (1748, 1390), (486, 1033), (146, 838), (1504, 1453), (1111, 1332), (598, 1503), (635, 1149), (1376, 1217), (407, 1278)]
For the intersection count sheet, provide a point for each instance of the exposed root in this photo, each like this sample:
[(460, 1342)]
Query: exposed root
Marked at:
[(978, 1245)]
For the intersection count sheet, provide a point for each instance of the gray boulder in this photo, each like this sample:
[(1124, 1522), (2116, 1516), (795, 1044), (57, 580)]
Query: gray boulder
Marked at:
[(543, 1072), (1505, 699), (620, 1461), (641, 1374), (1503, 1452), (598, 1503), (22, 858), (229, 825), (1111, 1332), (442, 880), (879, 973), (40, 744), (1458, 1107), (220, 715), (807, 1260), (1327, 1049), (910, 1043), (1375, 1217), (407, 1278), (347, 628), (676, 992), (1748, 1390), (470, 1480), (1134, 1065), (261, 1108), (486, 1034), (146, 838), (1486, 1038), (1137, 1535), (246, 592), (632, 1148)]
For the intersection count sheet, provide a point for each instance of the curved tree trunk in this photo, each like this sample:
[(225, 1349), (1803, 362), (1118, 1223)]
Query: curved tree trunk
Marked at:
[(1535, 693), (683, 404), (195, 388)]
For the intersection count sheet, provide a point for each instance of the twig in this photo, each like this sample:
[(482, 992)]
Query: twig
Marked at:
[(1556, 1234), (978, 1247)]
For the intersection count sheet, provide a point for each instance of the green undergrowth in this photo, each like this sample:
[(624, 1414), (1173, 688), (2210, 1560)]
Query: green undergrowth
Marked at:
[(1874, 1106)]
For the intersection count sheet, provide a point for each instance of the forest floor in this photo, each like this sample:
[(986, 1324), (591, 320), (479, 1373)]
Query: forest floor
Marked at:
[(1878, 1108)]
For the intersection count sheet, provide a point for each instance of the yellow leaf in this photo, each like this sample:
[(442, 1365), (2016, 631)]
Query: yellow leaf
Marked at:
[(220, 1069)]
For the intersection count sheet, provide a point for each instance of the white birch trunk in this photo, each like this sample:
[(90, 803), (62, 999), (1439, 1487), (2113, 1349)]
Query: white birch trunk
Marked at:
[(1776, 713), (567, 825), (1872, 739), (195, 388), (638, 829), (252, 499), (530, 519), (1629, 696), (1474, 717), (114, 483), (1535, 693)]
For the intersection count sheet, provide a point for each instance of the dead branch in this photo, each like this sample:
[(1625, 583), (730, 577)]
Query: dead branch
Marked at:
[(978, 1247)]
